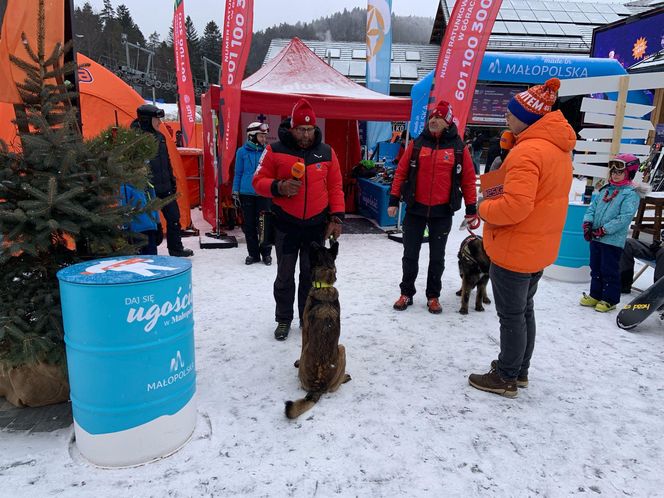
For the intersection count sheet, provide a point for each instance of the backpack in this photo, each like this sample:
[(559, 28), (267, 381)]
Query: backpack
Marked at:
[(408, 187)]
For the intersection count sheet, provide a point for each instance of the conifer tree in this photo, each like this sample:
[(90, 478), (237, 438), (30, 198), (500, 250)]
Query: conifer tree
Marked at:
[(58, 203)]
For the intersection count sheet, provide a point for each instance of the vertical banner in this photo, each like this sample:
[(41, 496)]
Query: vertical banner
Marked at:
[(238, 23), (379, 56), (461, 56), (186, 97)]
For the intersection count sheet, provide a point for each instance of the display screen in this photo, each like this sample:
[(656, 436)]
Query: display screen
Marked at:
[(632, 42), (490, 104)]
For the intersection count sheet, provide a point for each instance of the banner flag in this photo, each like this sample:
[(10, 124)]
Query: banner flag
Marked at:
[(461, 55), (186, 96), (238, 24), (379, 55)]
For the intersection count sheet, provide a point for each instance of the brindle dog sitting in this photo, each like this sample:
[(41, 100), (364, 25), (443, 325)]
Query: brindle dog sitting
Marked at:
[(322, 363), (474, 270)]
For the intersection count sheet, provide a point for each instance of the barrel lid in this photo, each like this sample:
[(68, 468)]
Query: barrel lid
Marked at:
[(124, 270)]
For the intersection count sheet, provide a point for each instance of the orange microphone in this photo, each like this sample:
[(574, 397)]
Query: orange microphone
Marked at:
[(297, 170)]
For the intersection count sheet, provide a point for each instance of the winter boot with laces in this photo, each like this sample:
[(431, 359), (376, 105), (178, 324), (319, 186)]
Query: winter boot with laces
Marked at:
[(589, 301), (492, 382), (603, 307), (281, 332), (434, 306), (521, 380), (403, 302)]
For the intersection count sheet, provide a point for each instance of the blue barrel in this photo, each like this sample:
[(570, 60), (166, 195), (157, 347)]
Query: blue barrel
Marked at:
[(573, 262), (129, 333)]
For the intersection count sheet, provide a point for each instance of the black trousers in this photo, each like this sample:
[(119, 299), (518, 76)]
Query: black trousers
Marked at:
[(605, 272), (171, 214), (637, 249), (252, 205), (290, 244), (514, 295), (413, 234)]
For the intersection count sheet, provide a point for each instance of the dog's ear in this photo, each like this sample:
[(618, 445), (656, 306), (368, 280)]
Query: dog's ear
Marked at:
[(334, 248)]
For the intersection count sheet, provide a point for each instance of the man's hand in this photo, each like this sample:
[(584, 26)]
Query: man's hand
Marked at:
[(472, 221), (392, 211), (333, 228), (289, 187)]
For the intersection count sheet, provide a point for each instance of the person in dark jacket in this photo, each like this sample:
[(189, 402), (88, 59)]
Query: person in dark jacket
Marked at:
[(246, 162), (302, 176), (492, 152), (163, 180), (439, 183)]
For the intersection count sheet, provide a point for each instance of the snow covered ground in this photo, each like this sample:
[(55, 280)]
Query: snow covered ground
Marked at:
[(590, 423)]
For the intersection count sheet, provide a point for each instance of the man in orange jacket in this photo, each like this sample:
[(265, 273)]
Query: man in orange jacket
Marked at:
[(302, 176), (523, 227)]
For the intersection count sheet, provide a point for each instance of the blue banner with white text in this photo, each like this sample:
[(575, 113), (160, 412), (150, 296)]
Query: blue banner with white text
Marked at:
[(379, 55)]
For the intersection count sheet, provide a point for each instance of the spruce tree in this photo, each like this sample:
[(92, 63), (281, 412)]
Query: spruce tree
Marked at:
[(58, 203)]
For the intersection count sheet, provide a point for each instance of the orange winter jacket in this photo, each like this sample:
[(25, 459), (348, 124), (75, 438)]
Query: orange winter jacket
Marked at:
[(524, 225)]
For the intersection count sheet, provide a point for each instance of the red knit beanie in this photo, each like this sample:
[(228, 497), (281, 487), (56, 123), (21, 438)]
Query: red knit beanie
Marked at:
[(530, 105), (443, 110), (303, 114)]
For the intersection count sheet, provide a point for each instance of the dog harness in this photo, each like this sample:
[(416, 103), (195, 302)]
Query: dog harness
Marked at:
[(464, 251)]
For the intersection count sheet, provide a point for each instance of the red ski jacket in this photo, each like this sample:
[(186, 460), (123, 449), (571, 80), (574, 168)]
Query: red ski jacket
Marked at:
[(435, 175), (322, 190)]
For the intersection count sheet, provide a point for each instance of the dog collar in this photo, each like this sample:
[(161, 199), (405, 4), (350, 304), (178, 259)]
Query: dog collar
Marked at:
[(321, 285)]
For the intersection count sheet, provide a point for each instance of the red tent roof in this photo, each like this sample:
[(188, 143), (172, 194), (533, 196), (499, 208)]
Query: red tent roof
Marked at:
[(298, 72)]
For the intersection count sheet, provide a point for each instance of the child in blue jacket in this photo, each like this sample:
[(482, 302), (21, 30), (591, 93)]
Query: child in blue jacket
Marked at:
[(144, 223), (246, 162), (605, 226)]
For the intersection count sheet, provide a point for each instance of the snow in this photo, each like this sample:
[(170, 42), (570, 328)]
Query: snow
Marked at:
[(408, 424)]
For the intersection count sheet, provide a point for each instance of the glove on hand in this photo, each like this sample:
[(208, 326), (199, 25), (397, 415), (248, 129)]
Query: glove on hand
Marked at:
[(472, 221), (588, 231), (598, 233), (236, 199)]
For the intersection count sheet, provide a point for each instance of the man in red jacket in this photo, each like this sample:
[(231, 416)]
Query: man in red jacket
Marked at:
[(436, 171), (302, 176)]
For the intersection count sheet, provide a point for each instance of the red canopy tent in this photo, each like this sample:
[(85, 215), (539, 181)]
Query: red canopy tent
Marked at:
[(297, 72)]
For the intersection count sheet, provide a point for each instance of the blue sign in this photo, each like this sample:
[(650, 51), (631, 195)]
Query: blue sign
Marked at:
[(517, 68), (129, 335)]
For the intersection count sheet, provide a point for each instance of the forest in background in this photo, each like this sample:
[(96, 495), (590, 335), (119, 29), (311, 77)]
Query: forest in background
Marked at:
[(100, 35)]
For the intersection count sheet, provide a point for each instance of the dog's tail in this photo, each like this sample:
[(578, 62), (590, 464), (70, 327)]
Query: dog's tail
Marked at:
[(296, 408)]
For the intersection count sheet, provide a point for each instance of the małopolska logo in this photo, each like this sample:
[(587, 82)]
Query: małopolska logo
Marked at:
[(140, 266)]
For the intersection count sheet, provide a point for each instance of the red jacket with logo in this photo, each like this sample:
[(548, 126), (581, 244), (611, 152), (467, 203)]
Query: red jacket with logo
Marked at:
[(322, 189), (434, 178)]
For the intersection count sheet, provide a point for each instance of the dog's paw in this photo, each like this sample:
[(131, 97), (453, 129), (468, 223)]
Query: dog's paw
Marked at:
[(486, 300), (347, 378), (463, 311), (479, 308), (458, 293)]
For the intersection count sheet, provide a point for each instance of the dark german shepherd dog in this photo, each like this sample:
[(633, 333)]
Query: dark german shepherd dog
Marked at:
[(474, 270), (322, 363)]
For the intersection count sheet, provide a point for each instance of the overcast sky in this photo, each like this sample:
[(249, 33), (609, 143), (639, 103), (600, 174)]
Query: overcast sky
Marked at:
[(157, 15)]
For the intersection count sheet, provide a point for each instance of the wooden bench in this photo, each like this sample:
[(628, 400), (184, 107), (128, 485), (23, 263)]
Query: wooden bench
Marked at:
[(647, 222)]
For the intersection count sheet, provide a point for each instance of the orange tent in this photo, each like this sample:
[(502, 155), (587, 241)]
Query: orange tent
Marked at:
[(103, 95), (20, 16)]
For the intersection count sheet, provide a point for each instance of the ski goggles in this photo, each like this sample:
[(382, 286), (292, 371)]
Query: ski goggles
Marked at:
[(617, 165)]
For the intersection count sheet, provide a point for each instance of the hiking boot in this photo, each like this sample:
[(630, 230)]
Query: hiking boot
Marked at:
[(521, 380), (267, 260), (603, 307), (589, 301), (250, 260), (181, 253), (281, 332), (403, 302), (492, 382), (434, 306)]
